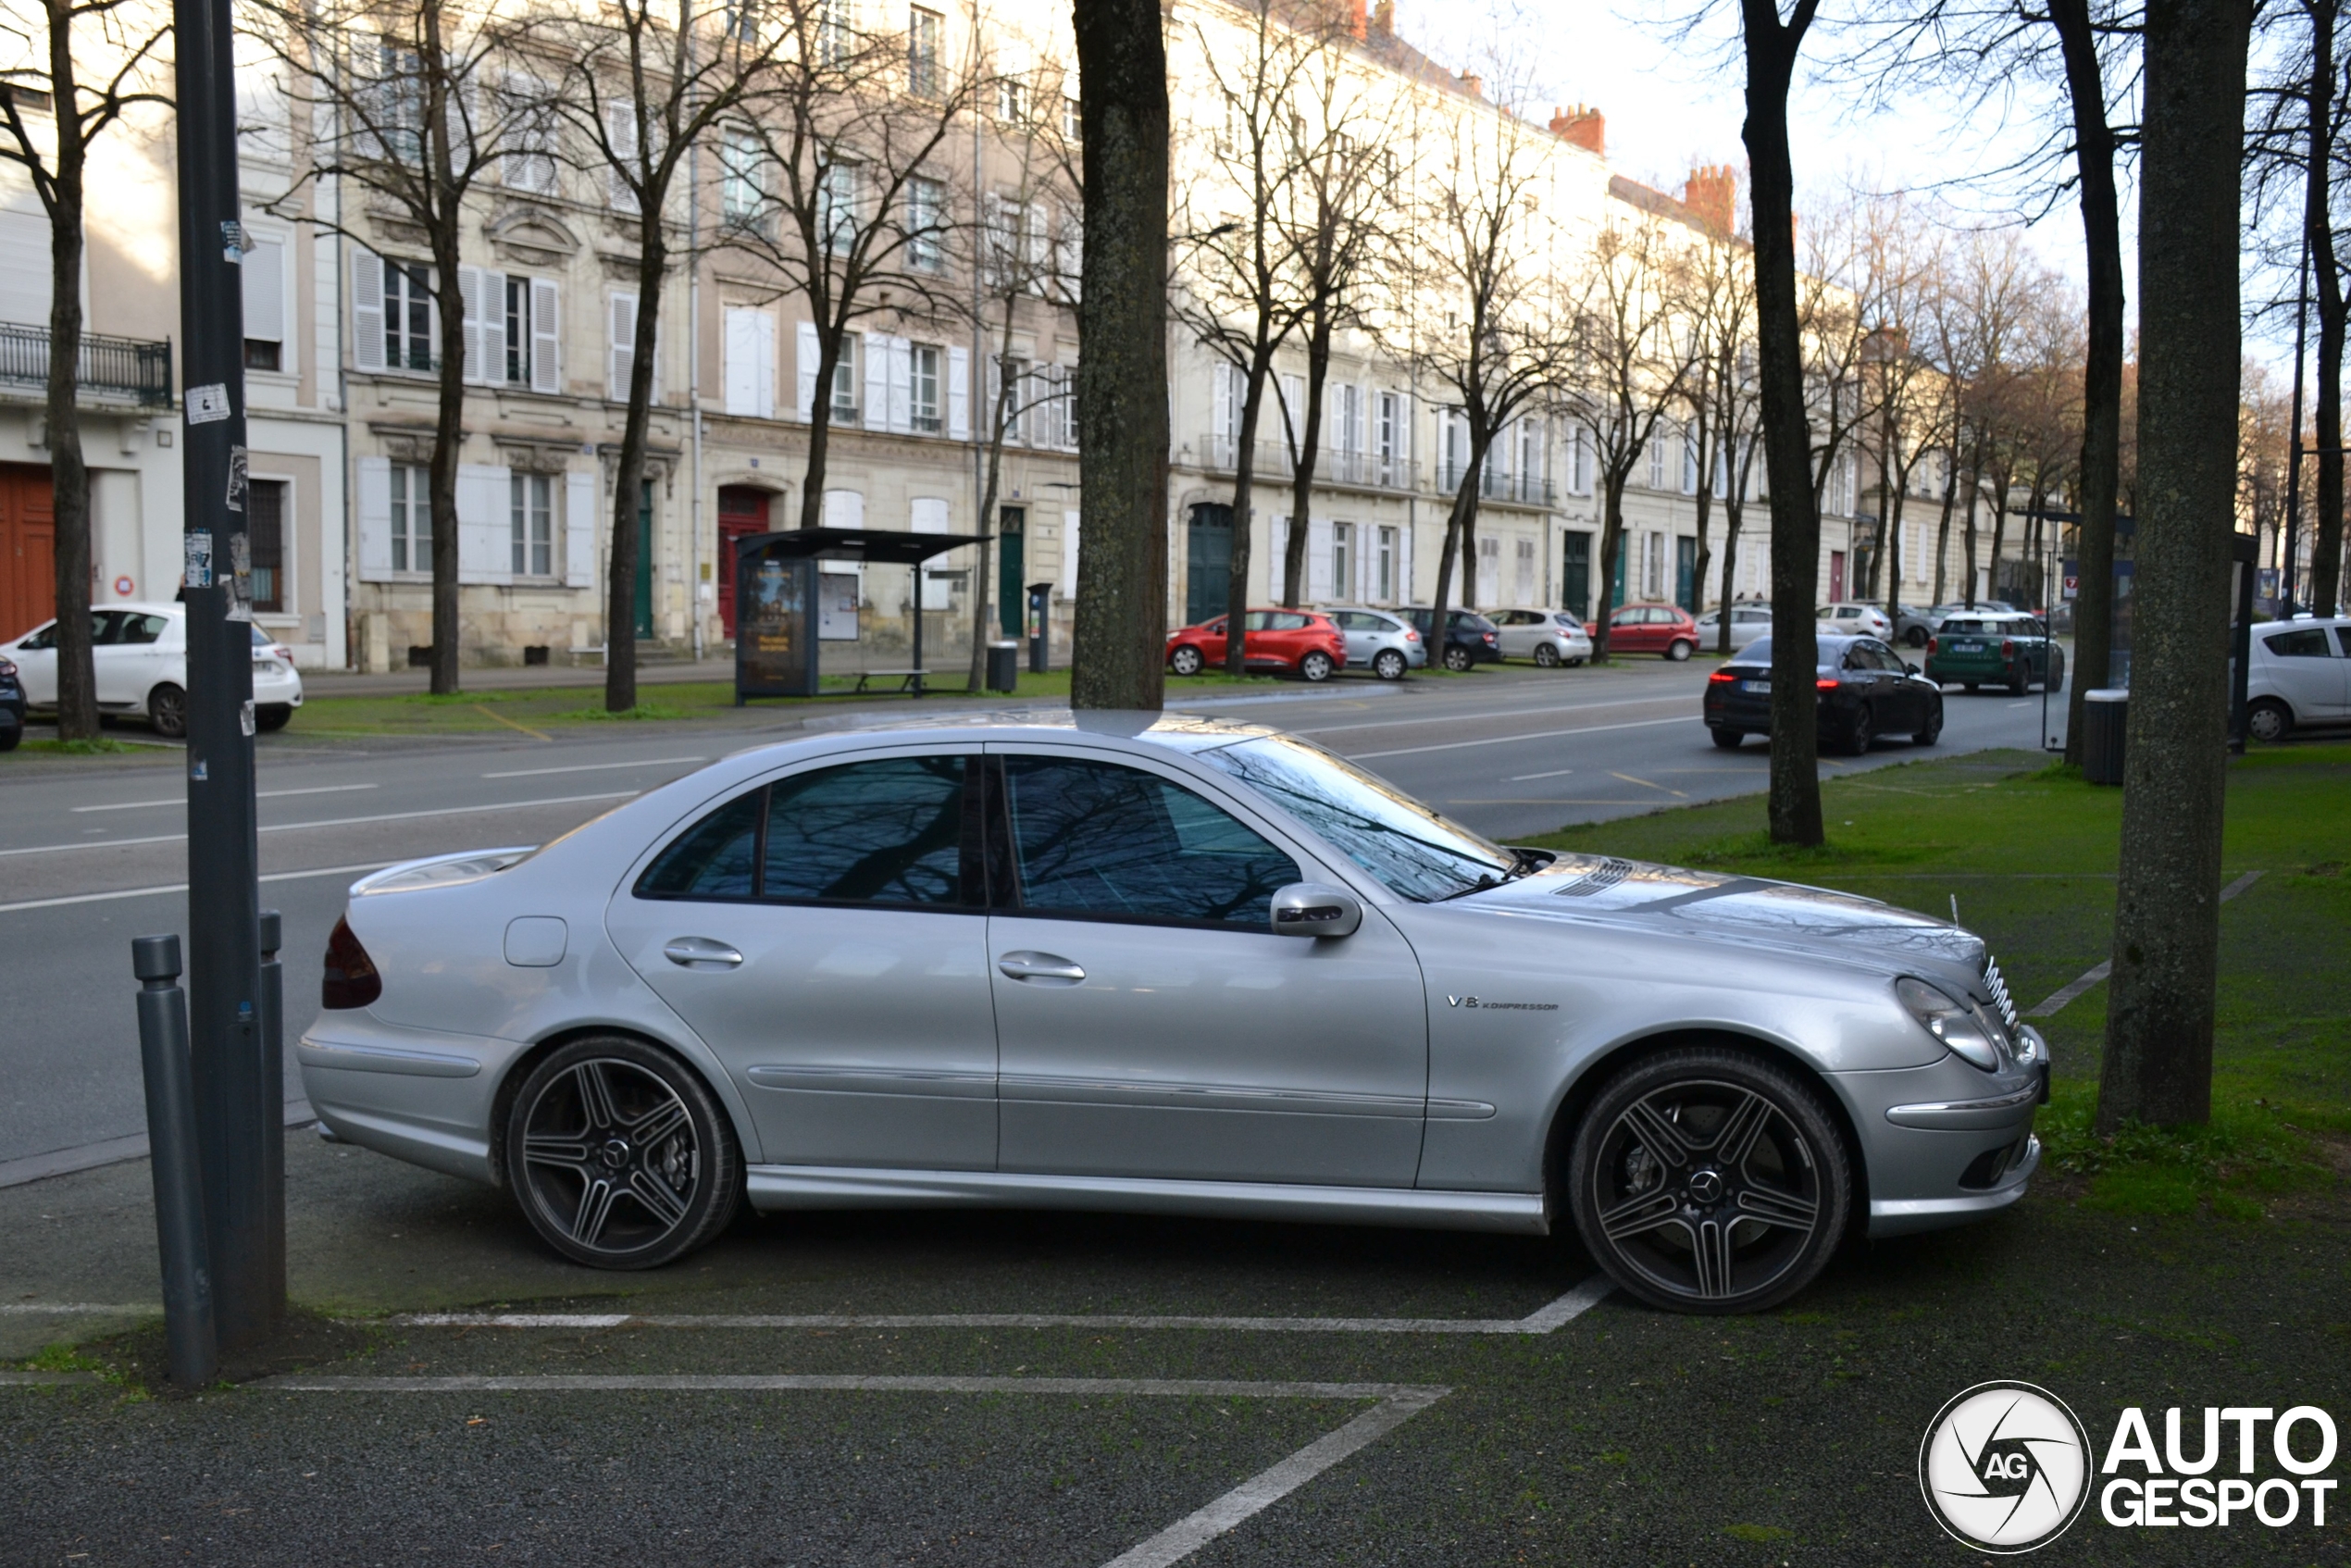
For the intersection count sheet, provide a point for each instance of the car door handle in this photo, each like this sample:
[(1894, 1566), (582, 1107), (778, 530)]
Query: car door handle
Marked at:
[(701, 952), (1046, 968)]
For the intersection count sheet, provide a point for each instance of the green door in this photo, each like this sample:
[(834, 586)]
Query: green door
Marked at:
[(1616, 578), (1685, 573), (645, 561), (1012, 598), (1575, 591), (1208, 557)]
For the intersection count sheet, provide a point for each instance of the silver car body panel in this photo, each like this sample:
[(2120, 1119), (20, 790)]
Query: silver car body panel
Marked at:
[(1410, 1074), (1366, 641)]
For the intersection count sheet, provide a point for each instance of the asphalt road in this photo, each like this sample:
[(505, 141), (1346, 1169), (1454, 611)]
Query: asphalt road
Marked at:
[(92, 853)]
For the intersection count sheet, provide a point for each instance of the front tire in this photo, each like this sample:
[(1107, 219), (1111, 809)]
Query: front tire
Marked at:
[(1706, 1181), (1915, 636), (167, 712), (1389, 665), (1546, 656), (1679, 649), (1931, 730), (1315, 668), (2269, 720), (1729, 740), (1185, 659), (619, 1156), (1457, 658)]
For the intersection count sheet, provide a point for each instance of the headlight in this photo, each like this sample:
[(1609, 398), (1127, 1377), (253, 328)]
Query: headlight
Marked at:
[(1956, 1025)]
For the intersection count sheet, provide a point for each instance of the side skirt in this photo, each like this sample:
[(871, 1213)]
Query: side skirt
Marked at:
[(838, 1187)]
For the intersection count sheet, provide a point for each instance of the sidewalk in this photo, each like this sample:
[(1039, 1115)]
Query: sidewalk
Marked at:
[(519, 677)]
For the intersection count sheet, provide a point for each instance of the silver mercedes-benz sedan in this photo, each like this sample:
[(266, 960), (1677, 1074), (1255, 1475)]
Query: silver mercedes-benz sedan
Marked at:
[(1172, 965)]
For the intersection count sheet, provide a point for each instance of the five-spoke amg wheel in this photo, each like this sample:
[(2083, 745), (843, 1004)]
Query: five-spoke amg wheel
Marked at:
[(619, 1156), (1706, 1180)]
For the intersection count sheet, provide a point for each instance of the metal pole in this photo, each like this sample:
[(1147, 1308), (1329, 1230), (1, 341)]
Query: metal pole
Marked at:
[(272, 1089), (172, 1141), (224, 981), (2293, 453)]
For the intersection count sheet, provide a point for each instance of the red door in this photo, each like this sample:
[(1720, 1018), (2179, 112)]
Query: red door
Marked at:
[(28, 543), (1836, 576), (742, 510)]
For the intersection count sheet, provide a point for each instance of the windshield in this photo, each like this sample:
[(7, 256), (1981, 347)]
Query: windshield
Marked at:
[(1413, 851)]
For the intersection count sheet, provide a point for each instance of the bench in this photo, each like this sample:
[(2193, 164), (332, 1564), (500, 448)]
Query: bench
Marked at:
[(909, 681)]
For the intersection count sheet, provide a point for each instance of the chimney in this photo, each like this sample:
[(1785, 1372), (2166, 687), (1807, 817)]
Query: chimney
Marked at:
[(1473, 85), (1383, 19), (1587, 127), (1357, 22), (1712, 194)]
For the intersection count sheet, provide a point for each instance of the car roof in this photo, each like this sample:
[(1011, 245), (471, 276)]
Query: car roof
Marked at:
[(1178, 731)]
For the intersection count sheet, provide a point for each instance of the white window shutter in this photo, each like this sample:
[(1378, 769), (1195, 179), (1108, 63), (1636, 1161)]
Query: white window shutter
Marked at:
[(1318, 559), (763, 365), (263, 275), (620, 127), (579, 529), (375, 518), (959, 395), (623, 323), (737, 372), (494, 327), (1223, 417), (876, 380), (469, 330), (1070, 521), (1404, 564), (368, 316), (901, 385), (804, 363), (485, 523), (546, 327), (844, 508)]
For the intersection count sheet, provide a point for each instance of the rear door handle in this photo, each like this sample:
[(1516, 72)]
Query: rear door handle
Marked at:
[(1045, 968), (701, 952)]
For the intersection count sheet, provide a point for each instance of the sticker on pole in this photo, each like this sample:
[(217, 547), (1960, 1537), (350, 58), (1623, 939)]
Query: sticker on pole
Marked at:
[(198, 572), (238, 580), (207, 404), (240, 479)]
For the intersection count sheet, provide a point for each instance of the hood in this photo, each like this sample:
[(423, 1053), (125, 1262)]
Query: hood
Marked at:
[(1754, 911)]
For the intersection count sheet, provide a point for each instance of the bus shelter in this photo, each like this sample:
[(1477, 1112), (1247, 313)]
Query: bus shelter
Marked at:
[(779, 619)]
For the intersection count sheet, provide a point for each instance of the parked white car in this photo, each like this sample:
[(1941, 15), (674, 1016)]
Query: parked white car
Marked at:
[(1852, 619), (1747, 623), (1381, 641), (1550, 637), (140, 655), (2300, 673)]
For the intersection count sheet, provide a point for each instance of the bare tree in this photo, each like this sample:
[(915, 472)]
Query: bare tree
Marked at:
[(1640, 345), (2157, 1062), (59, 42), (1908, 383), (1720, 287), (1734, 396), (638, 91), (1839, 294), (407, 103), (1118, 658)]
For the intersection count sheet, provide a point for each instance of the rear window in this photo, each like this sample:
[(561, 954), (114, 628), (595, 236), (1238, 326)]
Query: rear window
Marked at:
[(2303, 642), (1960, 623), (1756, 653)]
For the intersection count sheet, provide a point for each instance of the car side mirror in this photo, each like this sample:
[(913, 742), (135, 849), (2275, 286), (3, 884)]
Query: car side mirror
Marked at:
[(1912, 667), (1316, 909)]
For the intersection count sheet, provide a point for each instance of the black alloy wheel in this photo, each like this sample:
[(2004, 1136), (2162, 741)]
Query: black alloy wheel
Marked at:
[(1546, 656), (1706, 1180), (1185, 659), (1388, 664), (167, 712), (1729, 740), (1316, 666), (1457, 658), (1860, 732), (620, 1155), (1931, 730)]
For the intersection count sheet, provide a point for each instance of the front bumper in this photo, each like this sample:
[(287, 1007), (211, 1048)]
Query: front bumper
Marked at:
[(1945, 1143)]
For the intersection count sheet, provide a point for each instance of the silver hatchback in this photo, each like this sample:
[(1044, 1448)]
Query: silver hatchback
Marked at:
[(1385, 644), (1550, 637), (1164, 964)]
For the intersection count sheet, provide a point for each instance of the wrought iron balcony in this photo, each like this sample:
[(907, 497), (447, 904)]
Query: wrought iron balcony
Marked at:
[(1331, 466), (107, 368)]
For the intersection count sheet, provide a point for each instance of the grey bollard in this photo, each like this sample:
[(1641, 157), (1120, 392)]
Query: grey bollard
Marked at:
[(273, 1095), (172, 1138)]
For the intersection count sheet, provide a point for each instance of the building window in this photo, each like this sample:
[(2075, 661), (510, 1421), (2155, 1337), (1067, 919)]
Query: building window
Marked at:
[(1657, 456), (1011, 100), (262, 355), (408, 316), (1652, 565), (533, 502), (922, 31), (925, 223), (411, 520), (266, 524), (1489, 570), (837, 202), (1384, 578), (1010, 394), (1391, 439), (836, 40), (1343, 560), (1525, 584), (743, 198), (1073, 122), (923, 379), (845, 382)]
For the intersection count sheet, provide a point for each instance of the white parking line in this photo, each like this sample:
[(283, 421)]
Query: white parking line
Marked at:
[(590, 767), (262, 795), (340, 821), (2072, 991), (1494, 712), (1399, 1402), (1522, 777), (1506, 740), (1567, 1308)]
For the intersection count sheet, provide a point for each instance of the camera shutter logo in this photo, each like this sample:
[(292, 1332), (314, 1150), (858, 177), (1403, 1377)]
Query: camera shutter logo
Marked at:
[(2005, 1467)]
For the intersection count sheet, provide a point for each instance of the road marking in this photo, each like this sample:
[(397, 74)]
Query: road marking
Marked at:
[(1505, 739), (76, 1309), (1494, 713), (262, 795), (342, 821), (1647, 785), (591, 767), (534, 734), (1522, 777), (1567, 1308), (183, 887), (2065, 995)]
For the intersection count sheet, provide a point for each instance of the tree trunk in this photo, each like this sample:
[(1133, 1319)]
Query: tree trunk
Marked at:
[(1118, 654), (820, 426), (1705, 508), (1974, 489), (1795, 799), (69, 476), (448, 446), (999, 416), (1730, 563), (1459, 521), (1318, 366), (2157, 1063), (1244, 505), (1999, 529), (1893, 488), (621, 612), (1611, 547), (1943, 529), (2326, 555)]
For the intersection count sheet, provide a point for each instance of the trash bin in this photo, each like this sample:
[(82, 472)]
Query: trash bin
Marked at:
[(1004, 666), (2104, 714)]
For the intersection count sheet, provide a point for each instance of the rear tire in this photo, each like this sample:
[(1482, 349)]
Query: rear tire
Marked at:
[(1863, 731), (2020, 679), (2055, 682), (10, 736), (1546, 656), (1315, 668), (1388, 664), (1915, 636), (620, 1155), (1704, 1180), (1185, 659), (1970, 687), (1729, 740), (272, 716), (1679, 649), (167, 712), (1457, 658)]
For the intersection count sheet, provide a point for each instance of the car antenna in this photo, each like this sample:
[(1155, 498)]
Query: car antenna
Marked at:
[(1954, 909)]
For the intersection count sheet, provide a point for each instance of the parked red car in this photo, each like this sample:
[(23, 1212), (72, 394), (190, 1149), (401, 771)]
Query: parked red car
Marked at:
[(1649, 629), (1298, 643)]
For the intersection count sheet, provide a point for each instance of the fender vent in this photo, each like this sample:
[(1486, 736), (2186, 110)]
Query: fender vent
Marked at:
[(1999, 989), (1607, 874)]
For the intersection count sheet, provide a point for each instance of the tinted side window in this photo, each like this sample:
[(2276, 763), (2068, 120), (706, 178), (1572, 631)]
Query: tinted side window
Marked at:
[(890, 831), (2342, 636), (1288, 620), (1092, 837), (141, 628), (2308, 643), (714, 859), (40, 641)]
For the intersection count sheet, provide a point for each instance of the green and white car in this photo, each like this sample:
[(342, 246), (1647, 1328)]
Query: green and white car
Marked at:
[(1995, 650)]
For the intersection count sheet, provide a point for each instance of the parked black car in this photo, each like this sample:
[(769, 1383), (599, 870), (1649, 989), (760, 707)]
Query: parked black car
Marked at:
[(11, 707), (1470, 637), (1866, 691)]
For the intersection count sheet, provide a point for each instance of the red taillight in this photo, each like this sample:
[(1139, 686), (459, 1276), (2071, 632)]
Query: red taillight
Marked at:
[(1412, 636), (1826, 683), (350, 979), (2007, 648), (1931, 644), (1718, 677)]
